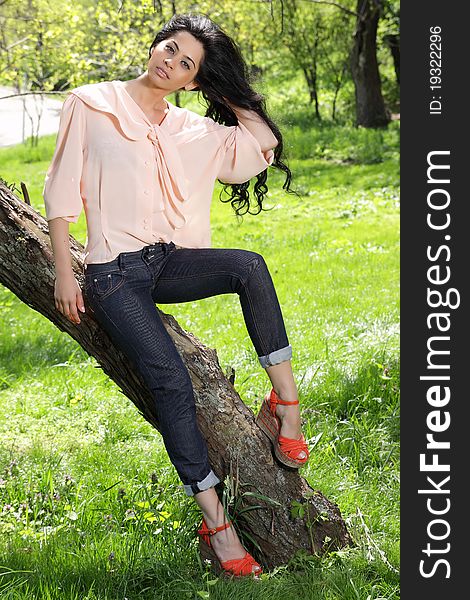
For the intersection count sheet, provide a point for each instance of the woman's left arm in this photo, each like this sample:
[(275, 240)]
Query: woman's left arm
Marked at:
[(257, 126)]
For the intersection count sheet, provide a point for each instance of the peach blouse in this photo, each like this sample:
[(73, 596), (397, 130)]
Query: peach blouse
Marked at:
[(140, 182)]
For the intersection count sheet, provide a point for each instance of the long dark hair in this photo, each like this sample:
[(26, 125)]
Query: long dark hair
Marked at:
[(223, 73)]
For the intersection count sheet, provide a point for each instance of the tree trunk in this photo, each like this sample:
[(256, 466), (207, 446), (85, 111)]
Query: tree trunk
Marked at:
[(311, 78), (338, 84), (239, 452), (393, 42), (370, 106)]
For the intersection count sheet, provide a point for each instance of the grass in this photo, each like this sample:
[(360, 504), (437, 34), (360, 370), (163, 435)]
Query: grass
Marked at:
[(91, 507)]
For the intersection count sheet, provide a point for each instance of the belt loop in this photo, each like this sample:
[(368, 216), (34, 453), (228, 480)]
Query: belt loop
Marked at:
[(121, 261)]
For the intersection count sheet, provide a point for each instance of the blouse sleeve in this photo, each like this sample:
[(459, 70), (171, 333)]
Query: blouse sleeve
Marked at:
[(61, 190), (243, 157)]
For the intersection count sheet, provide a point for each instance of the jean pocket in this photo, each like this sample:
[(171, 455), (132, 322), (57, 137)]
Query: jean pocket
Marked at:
[(102, 285)]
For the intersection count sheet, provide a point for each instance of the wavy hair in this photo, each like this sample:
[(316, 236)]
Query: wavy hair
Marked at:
[(224, 74)]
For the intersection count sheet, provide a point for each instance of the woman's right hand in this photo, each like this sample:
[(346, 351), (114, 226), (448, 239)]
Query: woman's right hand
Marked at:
[(68, 297)]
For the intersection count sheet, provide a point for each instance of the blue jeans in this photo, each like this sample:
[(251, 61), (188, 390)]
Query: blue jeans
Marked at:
[(122, 294)]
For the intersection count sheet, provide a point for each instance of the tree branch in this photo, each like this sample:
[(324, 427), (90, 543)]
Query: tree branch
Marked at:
[(36, 93), (331, 3)]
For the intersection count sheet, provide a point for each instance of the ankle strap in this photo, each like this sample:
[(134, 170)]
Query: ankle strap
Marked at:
[(212, 530), (276, 400)]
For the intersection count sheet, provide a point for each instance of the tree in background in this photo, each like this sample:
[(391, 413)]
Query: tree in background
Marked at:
[(389, 33), (303, 32), (370, 105), (300, 19), (334, 59)]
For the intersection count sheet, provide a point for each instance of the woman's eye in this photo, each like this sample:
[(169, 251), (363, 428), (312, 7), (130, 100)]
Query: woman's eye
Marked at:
[(183, 62)]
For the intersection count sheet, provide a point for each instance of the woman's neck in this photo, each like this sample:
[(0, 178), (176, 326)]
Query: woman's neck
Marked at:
[(145, 94)]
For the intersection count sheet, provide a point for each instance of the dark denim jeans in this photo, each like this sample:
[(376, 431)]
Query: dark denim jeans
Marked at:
[(122, 294)]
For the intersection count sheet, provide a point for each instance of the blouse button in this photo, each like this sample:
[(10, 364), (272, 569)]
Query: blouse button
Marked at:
[(146, 192), (146, 226), (147, 162)]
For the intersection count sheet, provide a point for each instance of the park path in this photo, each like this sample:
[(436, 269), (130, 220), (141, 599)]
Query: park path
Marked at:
[(14, 123)]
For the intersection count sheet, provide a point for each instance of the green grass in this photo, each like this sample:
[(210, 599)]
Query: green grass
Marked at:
[(91, 507)]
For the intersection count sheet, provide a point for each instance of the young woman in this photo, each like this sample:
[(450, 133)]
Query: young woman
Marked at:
[(144, 171)]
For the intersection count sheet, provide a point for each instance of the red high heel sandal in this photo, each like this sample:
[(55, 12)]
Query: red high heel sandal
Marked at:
[(287, 450), (237, 567)]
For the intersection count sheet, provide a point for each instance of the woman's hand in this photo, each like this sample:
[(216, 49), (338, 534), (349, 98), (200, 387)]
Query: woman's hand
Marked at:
[(68, 297), (256, 125)]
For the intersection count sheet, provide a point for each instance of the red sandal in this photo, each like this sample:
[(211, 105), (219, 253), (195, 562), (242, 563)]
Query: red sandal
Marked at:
[(237, 567), (287, 450)]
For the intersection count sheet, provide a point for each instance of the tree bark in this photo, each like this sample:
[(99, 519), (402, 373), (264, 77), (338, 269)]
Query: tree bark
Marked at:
[(370, 106), (311, 78), (393, 42), (239, 452)]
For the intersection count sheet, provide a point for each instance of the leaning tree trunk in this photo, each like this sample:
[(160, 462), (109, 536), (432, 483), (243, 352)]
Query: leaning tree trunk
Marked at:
[(239, 452), (370, 106)]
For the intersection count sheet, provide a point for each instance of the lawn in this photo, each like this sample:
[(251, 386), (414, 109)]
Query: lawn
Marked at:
[(91, 507)]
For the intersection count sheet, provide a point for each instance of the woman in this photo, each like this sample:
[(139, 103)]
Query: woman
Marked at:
[(144, 170)]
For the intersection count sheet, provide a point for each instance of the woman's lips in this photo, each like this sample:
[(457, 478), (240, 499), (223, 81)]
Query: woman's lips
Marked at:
[(161, 73)]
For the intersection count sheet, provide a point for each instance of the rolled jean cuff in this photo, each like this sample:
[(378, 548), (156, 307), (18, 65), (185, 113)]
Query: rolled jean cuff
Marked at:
[(276, 357), (210, 481)]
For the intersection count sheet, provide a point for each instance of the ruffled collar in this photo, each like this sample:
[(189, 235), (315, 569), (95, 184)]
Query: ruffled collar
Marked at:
[(111, 97)]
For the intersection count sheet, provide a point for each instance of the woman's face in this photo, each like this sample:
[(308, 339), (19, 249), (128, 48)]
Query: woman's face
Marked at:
[(174, 62)]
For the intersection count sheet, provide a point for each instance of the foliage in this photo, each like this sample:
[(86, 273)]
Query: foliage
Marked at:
[(60, 45), (53, 46)]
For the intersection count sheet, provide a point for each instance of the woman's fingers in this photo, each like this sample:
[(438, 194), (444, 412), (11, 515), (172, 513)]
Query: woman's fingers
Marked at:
[(67, 309), (80, 302), (68, 298), (73, 312)]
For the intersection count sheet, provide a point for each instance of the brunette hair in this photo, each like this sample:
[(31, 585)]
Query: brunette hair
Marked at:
[(223, 73)]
